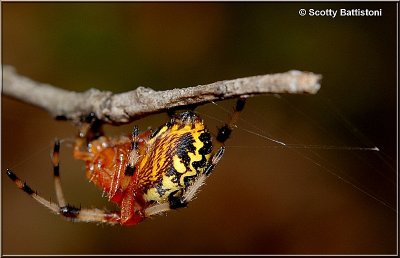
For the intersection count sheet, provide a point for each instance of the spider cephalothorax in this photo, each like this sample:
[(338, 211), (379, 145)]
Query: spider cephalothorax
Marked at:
[(145, 173)]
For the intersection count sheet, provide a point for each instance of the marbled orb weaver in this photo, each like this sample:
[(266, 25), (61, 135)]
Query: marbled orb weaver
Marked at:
[(145, 173)]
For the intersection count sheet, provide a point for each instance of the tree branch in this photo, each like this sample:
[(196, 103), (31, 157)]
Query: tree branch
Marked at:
[(128, 106)]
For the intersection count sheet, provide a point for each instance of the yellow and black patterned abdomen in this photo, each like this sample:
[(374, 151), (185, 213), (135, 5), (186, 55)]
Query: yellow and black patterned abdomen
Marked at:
[(178, 152)]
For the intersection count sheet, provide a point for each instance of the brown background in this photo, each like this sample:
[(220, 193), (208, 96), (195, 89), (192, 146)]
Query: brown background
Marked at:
[(261, 199)]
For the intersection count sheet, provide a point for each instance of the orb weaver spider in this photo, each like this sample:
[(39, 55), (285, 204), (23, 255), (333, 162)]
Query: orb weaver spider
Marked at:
[(145, 173)]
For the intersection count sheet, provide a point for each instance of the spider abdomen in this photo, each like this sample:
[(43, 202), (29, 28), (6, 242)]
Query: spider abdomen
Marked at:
[(177, 154)]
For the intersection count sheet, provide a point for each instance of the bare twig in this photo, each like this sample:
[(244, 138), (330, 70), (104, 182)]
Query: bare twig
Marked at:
[(128, 106)]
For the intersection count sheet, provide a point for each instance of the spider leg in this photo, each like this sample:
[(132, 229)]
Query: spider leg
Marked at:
[(223, 134), (76, 214), (225, 131), (56, 172), (117, 174), (134, 155), (89, 130), (94, 127)]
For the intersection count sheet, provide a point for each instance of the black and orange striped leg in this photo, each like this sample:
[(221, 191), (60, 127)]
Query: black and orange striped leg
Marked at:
[(94, 127), (225, 131), (77, 214), (90, 128), (67, 211), (134, 156), (223, 135), (56, 172)]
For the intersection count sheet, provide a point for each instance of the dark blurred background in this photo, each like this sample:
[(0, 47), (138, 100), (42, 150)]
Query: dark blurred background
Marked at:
[(262, 198)]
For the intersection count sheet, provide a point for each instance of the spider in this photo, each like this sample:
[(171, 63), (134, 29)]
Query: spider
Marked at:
[(145, 173)]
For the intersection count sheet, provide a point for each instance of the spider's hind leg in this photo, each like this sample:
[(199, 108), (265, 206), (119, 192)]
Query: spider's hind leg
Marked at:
[(56, 173), (67, 211)]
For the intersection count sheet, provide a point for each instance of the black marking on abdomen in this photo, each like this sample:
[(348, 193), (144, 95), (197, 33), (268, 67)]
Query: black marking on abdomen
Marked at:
[(185, 145), (175, 174), (205, 138), (160, 190)]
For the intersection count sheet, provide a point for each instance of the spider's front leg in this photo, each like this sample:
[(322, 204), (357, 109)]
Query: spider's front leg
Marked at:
[(90, 128)]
